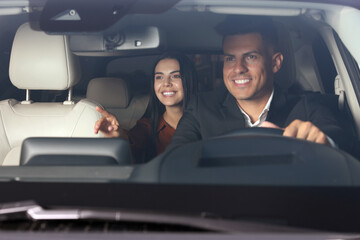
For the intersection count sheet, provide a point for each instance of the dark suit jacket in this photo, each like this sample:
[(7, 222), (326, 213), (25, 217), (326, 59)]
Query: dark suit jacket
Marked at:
[(215, 113)]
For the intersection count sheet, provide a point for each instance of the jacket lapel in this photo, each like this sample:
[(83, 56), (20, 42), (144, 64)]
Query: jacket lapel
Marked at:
[(280, 107), (231, 114)]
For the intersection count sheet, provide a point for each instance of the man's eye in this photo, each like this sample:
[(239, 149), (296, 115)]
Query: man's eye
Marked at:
[(252, 58), (229, 59)]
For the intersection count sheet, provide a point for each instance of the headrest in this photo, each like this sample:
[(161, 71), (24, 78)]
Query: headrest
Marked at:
[(286, 77), (109, 92), (42, 62)]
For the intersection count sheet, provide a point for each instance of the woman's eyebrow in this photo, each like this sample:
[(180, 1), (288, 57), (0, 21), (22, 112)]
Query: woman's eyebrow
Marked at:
[(175, 71)]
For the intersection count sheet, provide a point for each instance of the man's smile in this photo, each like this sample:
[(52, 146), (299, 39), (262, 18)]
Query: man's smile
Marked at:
[(241, 81)]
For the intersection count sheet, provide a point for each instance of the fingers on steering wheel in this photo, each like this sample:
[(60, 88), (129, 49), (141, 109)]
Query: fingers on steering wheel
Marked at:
[(321, 137), (292, 129), (305, 130)]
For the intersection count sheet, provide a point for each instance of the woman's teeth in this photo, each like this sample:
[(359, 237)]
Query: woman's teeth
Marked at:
[(168, 93)]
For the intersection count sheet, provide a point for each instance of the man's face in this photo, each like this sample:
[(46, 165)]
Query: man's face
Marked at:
[(249, 67)]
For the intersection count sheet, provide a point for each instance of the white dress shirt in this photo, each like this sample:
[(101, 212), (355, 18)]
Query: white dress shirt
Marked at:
[(262, 116)]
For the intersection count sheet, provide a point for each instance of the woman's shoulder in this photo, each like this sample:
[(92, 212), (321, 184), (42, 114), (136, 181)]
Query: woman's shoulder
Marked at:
[(144, 121), (143, 124)]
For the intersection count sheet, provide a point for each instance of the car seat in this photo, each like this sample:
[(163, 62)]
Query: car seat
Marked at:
[(42, 62), (299, 72), (115, 95), (286, 77)]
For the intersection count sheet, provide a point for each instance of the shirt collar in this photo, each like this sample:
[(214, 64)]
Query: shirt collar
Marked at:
[(163, 124), (262, 116)]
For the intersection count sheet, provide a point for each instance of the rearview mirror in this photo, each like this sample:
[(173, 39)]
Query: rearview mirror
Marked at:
[(133, 38)]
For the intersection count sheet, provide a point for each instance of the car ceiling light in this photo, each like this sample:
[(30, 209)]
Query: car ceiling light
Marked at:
[(14, 3), (138, 43), (67, 15), (13, 10), (256, 11)]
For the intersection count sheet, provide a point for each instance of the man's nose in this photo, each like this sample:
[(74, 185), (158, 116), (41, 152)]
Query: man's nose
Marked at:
[(240, 66)]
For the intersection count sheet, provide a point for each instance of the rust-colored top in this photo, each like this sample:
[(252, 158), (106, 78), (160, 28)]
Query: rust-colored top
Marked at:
[(140, 138)]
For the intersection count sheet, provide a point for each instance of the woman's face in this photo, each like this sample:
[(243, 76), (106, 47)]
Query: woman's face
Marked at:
[(168, 84)]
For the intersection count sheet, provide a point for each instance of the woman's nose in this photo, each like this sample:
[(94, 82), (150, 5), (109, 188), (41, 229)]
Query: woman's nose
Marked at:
[(167, 81)]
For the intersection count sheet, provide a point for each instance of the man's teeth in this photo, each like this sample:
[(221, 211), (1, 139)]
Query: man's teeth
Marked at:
[(168, 93), (242, 81)]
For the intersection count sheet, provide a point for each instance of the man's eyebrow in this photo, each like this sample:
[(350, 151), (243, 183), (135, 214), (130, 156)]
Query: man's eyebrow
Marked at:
[(246, 53), (255, 51)]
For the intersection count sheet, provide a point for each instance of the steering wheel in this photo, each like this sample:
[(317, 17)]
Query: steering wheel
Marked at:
[(254, 131), (258, 156)]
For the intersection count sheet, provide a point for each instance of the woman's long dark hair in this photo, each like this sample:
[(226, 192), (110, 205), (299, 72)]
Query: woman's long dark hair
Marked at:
[(189, 82)]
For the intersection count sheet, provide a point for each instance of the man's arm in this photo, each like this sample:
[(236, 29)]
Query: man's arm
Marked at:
[(316, 118), (325, 114), (188, 129)]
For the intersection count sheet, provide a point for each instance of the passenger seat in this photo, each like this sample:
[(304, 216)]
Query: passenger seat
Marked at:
[(42, 62), (115, 95)]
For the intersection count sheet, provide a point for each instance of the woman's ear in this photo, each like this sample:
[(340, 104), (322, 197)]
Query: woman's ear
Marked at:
[(277, 60)]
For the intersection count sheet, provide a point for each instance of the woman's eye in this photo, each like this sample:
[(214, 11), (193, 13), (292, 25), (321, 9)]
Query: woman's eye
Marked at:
[(177, 76), (158, 77)]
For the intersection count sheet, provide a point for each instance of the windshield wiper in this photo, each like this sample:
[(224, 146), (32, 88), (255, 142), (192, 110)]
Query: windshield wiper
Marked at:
[(29, 210)]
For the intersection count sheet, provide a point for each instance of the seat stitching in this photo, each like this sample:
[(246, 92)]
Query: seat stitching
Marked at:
[(6, 135)]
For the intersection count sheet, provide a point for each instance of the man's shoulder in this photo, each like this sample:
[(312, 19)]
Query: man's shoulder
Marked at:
[(205, 103), (214, 96), (313, 102), (318, 98), (308, 96)]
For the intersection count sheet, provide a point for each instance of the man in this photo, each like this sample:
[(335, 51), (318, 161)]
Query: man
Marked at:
[(250, 61)]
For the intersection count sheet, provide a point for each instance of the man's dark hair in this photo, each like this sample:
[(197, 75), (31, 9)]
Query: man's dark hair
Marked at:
[(242, 24)]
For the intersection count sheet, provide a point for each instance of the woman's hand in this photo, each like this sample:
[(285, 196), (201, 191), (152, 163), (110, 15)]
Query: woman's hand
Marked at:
[(108, 124)]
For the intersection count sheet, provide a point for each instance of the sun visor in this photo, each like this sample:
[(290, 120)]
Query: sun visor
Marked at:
[(67, 16)]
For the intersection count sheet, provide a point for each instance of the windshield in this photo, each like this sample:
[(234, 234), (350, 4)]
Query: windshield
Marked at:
[(236, 110)]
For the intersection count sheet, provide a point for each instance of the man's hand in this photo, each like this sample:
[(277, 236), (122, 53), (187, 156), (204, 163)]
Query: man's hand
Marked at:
[(302, 130), (108, 124), (306, 131)]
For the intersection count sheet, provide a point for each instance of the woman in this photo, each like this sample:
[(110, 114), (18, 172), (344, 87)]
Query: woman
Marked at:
[(174, 80)]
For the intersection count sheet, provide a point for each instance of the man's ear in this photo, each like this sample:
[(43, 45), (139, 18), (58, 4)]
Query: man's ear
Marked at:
[(277, 60)]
